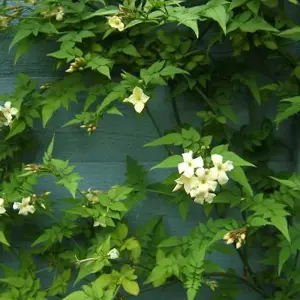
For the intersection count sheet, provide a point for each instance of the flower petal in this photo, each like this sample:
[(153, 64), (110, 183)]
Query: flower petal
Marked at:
[(2, 210), (197, 162), (139, 107), (177, 187), (1, 201), (137, 92), (144, 98), (212, 174), (17, 205), (222, 177), (217, 159), (212, 185), (13, 111), (121, 26), (210, 197), (227, 166), (182, 166), (31, 209), (25, 201), (200, 172), (189, 172), (200, 199), (7, 105), (187, 156)]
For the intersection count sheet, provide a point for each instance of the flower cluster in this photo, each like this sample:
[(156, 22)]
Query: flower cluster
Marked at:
[(7, 113), (93, 195), (199, 182), (78, 64), (116, 22), (138, 99), (89, 127), (236, 236)]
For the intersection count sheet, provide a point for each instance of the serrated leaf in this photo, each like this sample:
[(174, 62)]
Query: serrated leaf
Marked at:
[(236, 3), (131, 50), (168, 139), (19, 36), (281, 224), (258, 221), (17, 282), (170, 162), (193, 24)]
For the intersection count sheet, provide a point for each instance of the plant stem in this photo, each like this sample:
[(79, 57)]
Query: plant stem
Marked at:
[(176, 114), (160, 192), (156, 127), (242, 279)]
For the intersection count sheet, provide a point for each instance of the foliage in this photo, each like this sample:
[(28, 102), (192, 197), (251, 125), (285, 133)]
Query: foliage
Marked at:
[(106, 53)]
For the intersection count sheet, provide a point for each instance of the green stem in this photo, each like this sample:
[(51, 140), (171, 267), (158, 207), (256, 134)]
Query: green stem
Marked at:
[(160, 192), (242, 279), (156, 127), (176, 114)]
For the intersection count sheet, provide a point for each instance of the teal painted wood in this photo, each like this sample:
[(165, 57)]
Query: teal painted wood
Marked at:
[(100, 158)]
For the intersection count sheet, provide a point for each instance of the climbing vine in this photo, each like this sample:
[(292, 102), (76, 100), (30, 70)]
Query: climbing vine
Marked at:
[(112, 57)]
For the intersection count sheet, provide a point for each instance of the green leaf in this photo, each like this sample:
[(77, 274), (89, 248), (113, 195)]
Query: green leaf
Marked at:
[(237, 161), (289, 109), (17, 282), (218, 14), (172, 71), (19, 36), (238, 175), (281, 224), (131, 50), (131, 287), (169, 139), (236, 3), (18, 126), (108, 10), (257, 23), (104, 70), (170, 242), (284, 255), (76, 296), (193, 24), (170, 162), (3, 239), (258, 222)]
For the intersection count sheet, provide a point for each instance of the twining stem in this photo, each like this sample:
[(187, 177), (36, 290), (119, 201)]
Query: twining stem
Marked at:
[(156, 127)]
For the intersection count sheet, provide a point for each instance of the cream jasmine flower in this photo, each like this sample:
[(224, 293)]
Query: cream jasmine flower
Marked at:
[(113, 254), (2, 208), (8, 111), (219, 170), (138, 99), (24, 207), (188, 166), (116, 22), (187, 183), (206, 180), (236, 236)]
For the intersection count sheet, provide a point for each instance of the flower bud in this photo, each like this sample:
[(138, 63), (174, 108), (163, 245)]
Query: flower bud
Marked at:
[(230, 241), (238, 245), (227, 236)]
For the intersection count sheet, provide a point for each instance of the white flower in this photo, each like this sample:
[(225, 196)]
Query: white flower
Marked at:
[(203, 196), (187, 183), (24, 207), (138, 99), (113, 254), (7, 110), (188, 166), (219, 170), (206, 180), (2, 209), (116, 22)]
